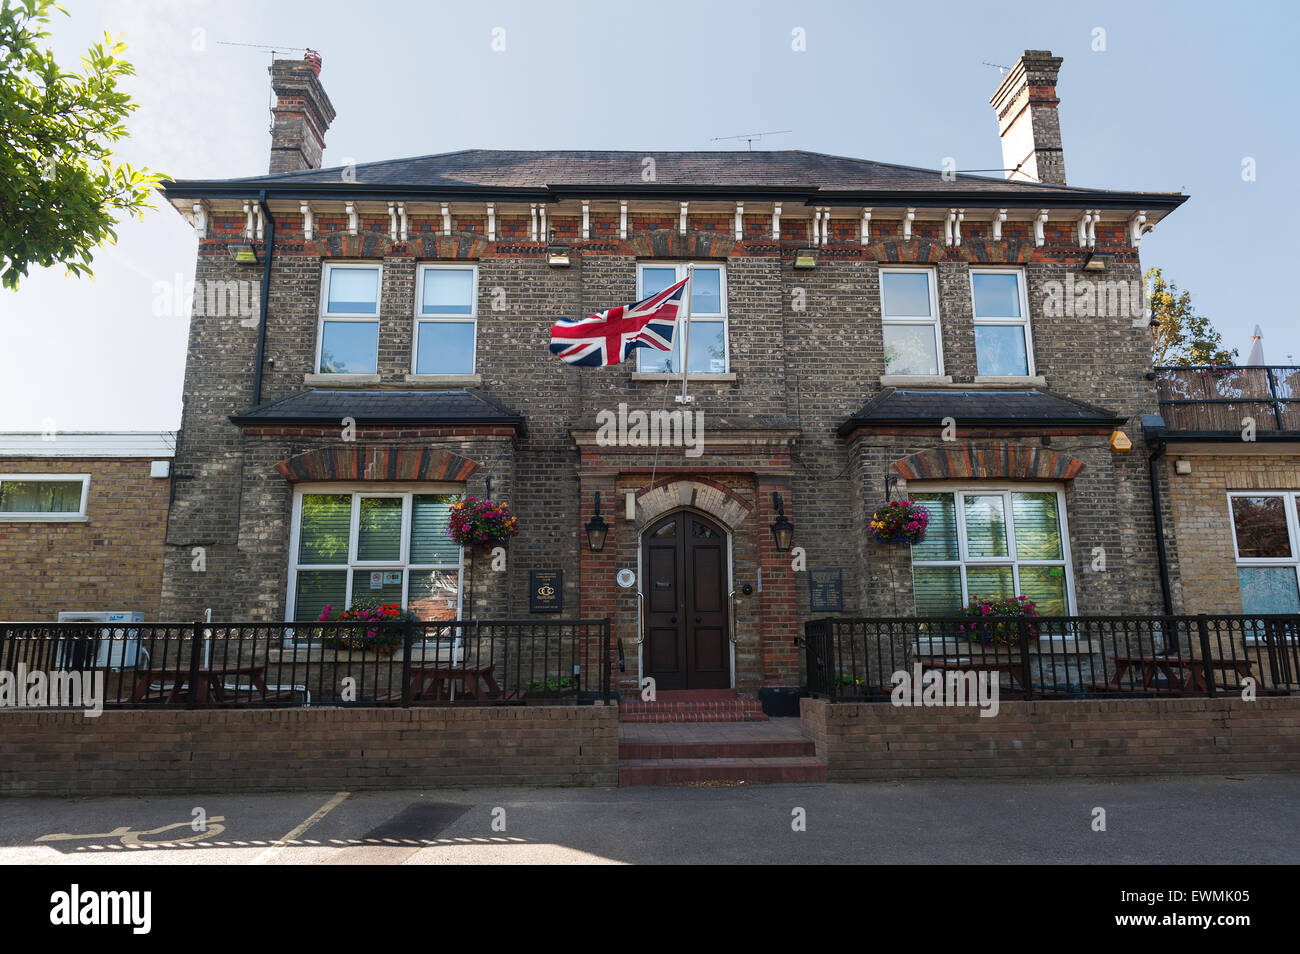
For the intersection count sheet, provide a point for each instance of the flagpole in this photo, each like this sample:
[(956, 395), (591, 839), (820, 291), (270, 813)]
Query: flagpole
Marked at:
[(685, 398)]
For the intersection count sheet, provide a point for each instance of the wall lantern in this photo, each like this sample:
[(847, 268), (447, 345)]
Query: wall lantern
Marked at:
[(597, 529), (557, 256), (805, 258), (782, 529), (1097, 261), (243, 253)]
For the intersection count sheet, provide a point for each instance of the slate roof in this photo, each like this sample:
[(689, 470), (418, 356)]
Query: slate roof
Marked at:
[(1034, 407), (399, 407), (589, 171)]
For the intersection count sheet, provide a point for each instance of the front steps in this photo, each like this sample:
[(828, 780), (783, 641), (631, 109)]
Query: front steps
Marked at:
[(711, 738)]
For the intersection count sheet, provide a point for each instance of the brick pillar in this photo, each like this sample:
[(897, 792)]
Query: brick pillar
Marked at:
[(779, 601), (598, 592)]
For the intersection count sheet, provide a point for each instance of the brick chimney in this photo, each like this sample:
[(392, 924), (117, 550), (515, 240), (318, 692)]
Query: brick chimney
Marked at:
[(301, 115), (1026, 102)]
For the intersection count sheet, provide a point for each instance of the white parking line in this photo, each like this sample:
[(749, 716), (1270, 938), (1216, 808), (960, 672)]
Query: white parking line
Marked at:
[(282, 843)]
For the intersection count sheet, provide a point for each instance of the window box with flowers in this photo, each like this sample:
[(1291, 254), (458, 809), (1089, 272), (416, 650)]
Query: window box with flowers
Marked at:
[(384, 637), (1000, 622)]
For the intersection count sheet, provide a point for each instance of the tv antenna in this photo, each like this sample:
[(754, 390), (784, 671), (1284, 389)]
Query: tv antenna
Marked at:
[(997, 66), (750, 137), (270, 102)]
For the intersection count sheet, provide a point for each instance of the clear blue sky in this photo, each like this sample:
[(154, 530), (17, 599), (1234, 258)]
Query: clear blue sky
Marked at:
[(1181, 95)]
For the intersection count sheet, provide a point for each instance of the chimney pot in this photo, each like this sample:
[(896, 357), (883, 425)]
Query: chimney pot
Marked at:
[(1025, 103)]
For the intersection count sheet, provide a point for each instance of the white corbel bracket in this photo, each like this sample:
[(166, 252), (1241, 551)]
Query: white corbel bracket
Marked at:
[(586, 219), (866, 226), (740, 221), (392, 222), (907, 224), (952, 226), (492, 222), (681, 222), (308, 220), (354, 224), (1040, 228), (622, 218), (446, 219), (1137, 227), (201, 218), (997, 224), (532, 228), (776, 222)]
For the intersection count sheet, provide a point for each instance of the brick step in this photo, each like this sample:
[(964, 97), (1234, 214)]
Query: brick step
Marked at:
[(719, 749), (729, 710), (689, 771), (694, 695)]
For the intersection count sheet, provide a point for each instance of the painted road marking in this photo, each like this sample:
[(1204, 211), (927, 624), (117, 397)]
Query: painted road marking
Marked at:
[(278, 846), (134, 839)]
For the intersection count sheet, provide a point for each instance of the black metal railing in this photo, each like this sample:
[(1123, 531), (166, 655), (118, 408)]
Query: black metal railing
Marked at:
[(1210, 398), (1059, 657), (468, 662)]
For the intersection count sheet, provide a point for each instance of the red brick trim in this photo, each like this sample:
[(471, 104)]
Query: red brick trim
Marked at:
[(995, 461), (897, 251), (670, 243), (376, 462)]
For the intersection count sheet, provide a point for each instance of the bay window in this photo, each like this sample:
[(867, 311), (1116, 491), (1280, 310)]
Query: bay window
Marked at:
[(708, 319), (909, 308), (992, 544), (348, 338), (373, 545)]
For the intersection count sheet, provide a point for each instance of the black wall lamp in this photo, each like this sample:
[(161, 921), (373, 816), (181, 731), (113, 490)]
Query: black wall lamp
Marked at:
[(782, 529), (597, 529)]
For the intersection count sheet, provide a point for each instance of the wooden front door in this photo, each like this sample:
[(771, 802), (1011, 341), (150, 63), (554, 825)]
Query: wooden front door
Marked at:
[(684, 568)]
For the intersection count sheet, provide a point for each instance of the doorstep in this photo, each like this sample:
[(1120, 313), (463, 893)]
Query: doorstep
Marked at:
[(694, 753)]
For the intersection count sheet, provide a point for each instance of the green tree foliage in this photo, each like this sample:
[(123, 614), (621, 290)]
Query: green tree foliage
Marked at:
[(1180, 337), (60, 189)]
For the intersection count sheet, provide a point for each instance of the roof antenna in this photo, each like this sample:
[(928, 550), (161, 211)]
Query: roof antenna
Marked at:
[(270, 103), (750, 137), (998, 66)]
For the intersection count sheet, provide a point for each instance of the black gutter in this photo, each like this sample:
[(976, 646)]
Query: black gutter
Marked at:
[(224, 188), (266, 296), (853, 424), (1162, 555), (516, 422), (1229, 437)]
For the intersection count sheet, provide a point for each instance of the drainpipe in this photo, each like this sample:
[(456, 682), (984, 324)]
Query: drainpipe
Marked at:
[(1161, 553), (266, 294)]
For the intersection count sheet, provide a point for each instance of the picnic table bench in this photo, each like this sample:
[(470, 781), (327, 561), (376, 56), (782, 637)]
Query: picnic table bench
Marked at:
[(434, 683), (210, 685), (1183, 674), (976, 663)]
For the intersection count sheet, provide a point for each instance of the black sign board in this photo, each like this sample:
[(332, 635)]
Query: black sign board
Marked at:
[(826, 591), (545, 591)]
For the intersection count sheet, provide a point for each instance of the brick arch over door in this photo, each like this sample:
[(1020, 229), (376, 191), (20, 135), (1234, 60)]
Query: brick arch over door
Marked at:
[(705, 496), (377, 462), (1000, 461)]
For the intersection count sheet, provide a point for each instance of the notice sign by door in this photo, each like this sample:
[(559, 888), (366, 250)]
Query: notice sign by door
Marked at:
[(827, 590), (546, 591)]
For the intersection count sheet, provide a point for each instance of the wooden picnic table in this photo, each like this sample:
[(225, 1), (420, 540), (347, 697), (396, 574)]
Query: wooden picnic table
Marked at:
[(1184, 674), (433, 682), (210, 684)]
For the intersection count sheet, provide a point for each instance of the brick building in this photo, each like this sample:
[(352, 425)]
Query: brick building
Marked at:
[(82, 520), (858, 329)]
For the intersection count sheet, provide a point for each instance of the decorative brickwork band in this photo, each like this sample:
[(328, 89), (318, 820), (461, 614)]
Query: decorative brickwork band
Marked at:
[(907, 252), (705, 495), (377, 462), (668, 243), (457, 245), (987, 252), (995, 461)]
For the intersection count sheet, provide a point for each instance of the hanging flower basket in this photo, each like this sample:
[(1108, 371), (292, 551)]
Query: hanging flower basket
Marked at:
[(900, 521), (996, 622), (481, 523)]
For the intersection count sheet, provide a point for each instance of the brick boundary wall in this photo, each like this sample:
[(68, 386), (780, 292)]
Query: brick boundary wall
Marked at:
[(877, 741), (165, 752)]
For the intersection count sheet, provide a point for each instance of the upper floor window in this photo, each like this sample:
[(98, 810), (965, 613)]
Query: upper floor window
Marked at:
[(43, 497), (349, 319), (708, 318), (445, 325), (910, 311), (1266, 528), (1002, 343)]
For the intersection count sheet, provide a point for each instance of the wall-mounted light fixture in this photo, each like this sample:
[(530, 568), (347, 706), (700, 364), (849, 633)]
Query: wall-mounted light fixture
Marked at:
[(1097, 261), (557, 256), (782, 529), (243, 253), (597, 529), (891, 481), (805, 258)]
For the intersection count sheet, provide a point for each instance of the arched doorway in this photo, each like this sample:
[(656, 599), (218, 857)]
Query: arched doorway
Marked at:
[(686, 581)]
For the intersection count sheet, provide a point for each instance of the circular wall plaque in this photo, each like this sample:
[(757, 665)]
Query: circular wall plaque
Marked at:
[(625, 577)]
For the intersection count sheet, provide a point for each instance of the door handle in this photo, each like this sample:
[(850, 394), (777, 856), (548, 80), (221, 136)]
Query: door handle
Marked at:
[(673, 620), (697, 619)]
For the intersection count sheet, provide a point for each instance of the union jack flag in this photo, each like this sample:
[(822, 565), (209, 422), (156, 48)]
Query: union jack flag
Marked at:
[(609, 337)]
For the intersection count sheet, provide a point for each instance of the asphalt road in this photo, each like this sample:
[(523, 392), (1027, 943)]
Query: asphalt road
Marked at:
[(1175, 820)]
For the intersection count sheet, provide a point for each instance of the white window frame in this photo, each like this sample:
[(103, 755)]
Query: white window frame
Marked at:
[(324, 314), (959, 494), (440, 318), (1289, 501), (357, 491), (78, 517), (917, 321), (1022, 321), (678, 337)]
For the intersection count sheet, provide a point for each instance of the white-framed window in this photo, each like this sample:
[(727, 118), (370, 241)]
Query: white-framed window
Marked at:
[(709, 350), (992, 543), (446, 325), (909, 308), (1266, 544), (377, 543), (1003, 345), (43, 498), (348, 338)]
